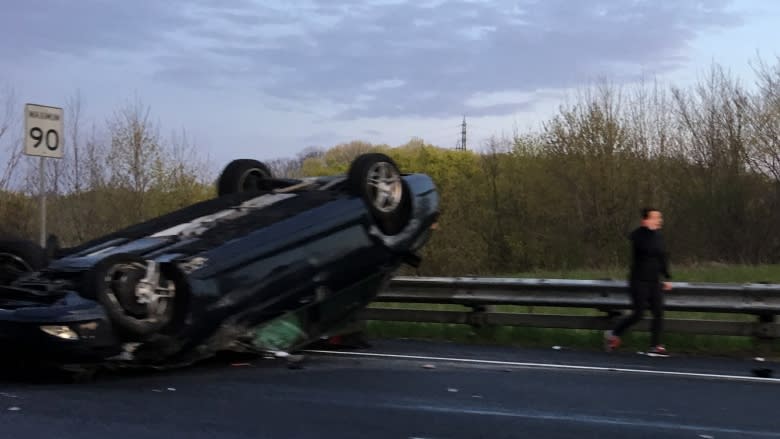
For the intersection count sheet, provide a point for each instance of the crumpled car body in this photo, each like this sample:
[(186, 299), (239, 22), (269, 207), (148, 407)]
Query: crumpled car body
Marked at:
[(270, 264)]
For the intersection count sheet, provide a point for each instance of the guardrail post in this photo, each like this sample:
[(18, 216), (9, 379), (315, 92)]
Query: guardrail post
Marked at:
[(479, 321), (478, 317), (765, 329), (765, 335)]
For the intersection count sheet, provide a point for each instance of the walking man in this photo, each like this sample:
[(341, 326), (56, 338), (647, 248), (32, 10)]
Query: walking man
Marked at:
[(649, 264)]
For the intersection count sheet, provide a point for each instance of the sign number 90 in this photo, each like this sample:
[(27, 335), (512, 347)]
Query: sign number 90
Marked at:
[(52, 138), (43, 131)]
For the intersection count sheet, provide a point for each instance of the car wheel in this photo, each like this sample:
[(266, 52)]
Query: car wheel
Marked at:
[(376, 178), (19, 256), (136, 307), (243, 175)]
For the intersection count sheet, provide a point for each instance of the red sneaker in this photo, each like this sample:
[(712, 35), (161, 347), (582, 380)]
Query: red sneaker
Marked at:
[(611, 341)]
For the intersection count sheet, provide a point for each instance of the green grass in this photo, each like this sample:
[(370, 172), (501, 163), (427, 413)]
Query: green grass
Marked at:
[(574, 339), (592, 340)]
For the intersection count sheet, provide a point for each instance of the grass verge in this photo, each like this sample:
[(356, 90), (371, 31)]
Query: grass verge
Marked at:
[(633, 341)]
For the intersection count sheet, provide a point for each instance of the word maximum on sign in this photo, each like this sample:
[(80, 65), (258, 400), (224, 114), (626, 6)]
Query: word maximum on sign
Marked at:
[(43, 131)]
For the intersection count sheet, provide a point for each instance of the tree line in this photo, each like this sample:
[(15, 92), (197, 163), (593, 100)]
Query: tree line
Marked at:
[(564, 196)]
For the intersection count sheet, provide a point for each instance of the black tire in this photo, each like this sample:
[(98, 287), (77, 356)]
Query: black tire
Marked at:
[(19, 256), (243, 175), (391, 213), (112, 283)]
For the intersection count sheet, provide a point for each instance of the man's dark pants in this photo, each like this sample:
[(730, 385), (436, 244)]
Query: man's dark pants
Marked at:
[(644, 294)]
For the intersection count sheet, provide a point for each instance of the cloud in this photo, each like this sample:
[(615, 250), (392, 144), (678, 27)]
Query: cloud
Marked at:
[(375, 58), (36, 27)]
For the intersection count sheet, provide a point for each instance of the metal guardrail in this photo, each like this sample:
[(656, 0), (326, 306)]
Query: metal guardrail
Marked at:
[(610, 296)]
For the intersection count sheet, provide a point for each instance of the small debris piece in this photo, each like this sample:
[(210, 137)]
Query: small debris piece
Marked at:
[(428, 366), (171, 389), (241, 364), (14, 409), (557, 348), (452, 390)]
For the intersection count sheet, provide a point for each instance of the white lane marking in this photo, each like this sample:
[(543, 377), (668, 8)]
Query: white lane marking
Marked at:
[(554, 366)]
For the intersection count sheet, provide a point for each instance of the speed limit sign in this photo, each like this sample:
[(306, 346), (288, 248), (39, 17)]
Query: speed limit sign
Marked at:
[(43, 131)]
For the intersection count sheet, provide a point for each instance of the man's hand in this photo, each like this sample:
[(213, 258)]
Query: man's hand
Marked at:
[(667, 286)]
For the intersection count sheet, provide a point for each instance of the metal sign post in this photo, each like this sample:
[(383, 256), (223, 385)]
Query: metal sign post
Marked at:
[(43, 127)]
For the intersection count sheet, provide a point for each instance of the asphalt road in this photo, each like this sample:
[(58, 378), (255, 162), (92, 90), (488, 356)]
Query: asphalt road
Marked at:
[(430, 391)]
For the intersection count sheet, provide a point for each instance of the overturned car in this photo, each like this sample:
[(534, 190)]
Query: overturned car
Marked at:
[(270, 264)]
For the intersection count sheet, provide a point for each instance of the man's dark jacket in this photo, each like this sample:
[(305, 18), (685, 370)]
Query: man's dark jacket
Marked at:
[(650, 260)]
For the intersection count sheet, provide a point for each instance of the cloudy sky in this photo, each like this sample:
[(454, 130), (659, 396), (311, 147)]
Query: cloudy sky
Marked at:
[(267, 78)]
